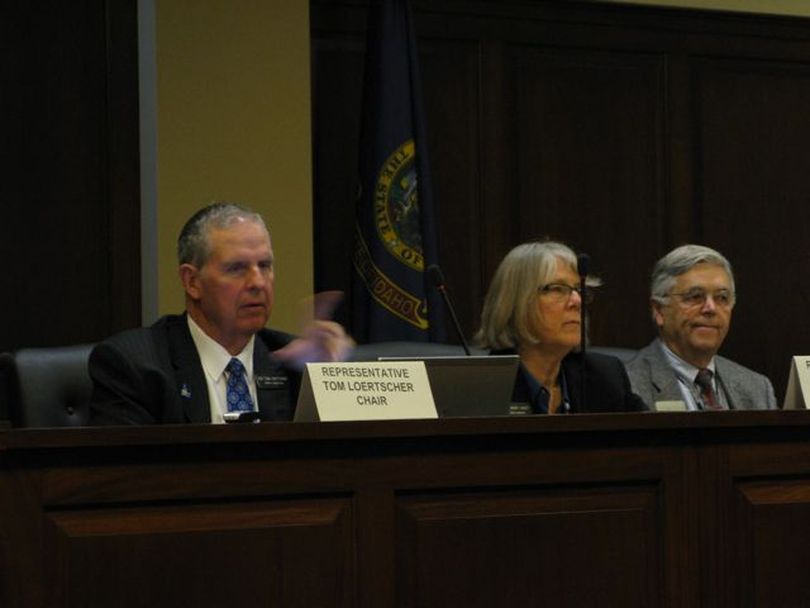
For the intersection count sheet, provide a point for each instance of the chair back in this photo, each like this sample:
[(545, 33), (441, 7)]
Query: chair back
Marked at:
[(47, 387)]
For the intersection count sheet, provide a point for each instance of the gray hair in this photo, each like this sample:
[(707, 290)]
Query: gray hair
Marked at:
[(505, 318), (680, 260), (193, 246)]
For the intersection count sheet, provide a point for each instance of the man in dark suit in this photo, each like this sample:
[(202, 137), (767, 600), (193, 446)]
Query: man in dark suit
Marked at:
[(692, 298), (217, 361)]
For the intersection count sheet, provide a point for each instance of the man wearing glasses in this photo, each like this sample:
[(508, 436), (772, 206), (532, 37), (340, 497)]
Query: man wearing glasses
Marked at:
[(692, 298)]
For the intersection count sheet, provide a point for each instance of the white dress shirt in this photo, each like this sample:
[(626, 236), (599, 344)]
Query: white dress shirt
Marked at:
[(215, 359)]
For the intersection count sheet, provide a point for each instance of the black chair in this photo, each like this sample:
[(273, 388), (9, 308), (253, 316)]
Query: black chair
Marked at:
[(374, 350), (46, 387)]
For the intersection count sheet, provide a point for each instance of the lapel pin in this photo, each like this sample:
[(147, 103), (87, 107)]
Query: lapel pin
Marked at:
[(185, 392)]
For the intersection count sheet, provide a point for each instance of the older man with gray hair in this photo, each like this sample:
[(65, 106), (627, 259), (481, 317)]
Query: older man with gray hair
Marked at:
[(216, 362), (692, 298)]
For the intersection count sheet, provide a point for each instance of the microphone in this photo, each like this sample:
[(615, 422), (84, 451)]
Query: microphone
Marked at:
[(583, 264), (436, 279)]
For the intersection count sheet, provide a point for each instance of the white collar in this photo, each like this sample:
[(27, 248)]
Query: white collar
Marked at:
[(214, 357)]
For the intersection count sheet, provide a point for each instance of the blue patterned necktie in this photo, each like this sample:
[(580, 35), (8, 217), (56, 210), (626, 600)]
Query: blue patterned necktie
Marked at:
[(237, 392)]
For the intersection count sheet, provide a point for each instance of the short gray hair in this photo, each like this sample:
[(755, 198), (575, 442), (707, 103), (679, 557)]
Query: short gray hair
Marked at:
[(680, 260), (505, 318), (193, 246)]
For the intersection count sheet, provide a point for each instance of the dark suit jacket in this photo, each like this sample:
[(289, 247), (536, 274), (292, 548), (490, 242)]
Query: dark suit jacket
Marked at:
[(607, 387), (154, 375)]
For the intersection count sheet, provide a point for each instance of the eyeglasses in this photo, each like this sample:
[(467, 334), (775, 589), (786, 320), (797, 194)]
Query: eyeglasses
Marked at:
[(693, 298), (561, 292)]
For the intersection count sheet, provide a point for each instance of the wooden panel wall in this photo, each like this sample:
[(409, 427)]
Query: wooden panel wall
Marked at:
[(299, 541), (543, 532), (622, 130), (69, 234), (626, 510)]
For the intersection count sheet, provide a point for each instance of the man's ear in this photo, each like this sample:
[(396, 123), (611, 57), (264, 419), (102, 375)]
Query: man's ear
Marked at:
[(190, 278), (657, 315)]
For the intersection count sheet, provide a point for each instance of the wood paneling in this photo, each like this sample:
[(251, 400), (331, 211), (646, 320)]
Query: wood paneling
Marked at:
[(202, 555), (337, 118), (452, 67), (70, 234), (676, 510), (527, 548), (752, 127), (773, 522), (622, 130), (590, 156)]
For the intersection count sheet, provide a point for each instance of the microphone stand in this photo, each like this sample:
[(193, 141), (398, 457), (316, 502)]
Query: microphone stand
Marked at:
[(583, 261), (437, 278)]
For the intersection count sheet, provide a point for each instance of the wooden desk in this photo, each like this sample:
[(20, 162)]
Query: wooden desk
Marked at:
[(697, 509)]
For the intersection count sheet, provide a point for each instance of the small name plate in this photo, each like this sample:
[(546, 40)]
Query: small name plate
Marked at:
[(797, 395), (670, 406), (365, 391)]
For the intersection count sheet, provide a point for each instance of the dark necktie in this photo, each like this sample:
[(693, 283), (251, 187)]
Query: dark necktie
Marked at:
[(237, 391), (704, 383)]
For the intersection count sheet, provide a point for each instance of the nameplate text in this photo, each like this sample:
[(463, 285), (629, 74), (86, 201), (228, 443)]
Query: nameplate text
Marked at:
[(383, 390)]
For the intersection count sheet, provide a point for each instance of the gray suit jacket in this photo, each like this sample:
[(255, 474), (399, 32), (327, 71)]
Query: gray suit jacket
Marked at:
[(654, 380)]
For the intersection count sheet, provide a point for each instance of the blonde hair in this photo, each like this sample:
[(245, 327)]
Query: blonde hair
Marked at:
[(510, 301)]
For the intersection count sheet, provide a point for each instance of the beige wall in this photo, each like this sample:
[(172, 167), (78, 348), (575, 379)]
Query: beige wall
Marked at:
[(233, 122), (775, 7)]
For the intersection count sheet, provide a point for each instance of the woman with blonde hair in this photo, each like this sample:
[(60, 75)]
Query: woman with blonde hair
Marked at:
[(534, 308)]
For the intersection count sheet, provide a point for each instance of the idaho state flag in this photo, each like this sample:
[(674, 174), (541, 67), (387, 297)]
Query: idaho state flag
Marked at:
[(394, 237)]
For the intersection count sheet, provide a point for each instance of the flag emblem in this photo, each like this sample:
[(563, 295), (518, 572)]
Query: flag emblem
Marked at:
[(396, 207), (385, 291)]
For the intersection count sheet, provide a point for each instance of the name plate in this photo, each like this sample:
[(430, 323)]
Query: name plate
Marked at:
[(378, 390), (670, 406), (797, 395)]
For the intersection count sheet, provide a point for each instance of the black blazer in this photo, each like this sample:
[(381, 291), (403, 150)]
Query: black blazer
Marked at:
[(154, 375), (607, 387)]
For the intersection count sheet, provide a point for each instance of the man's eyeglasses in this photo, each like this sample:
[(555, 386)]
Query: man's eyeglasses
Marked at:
[(722, 298), (561, 292)]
